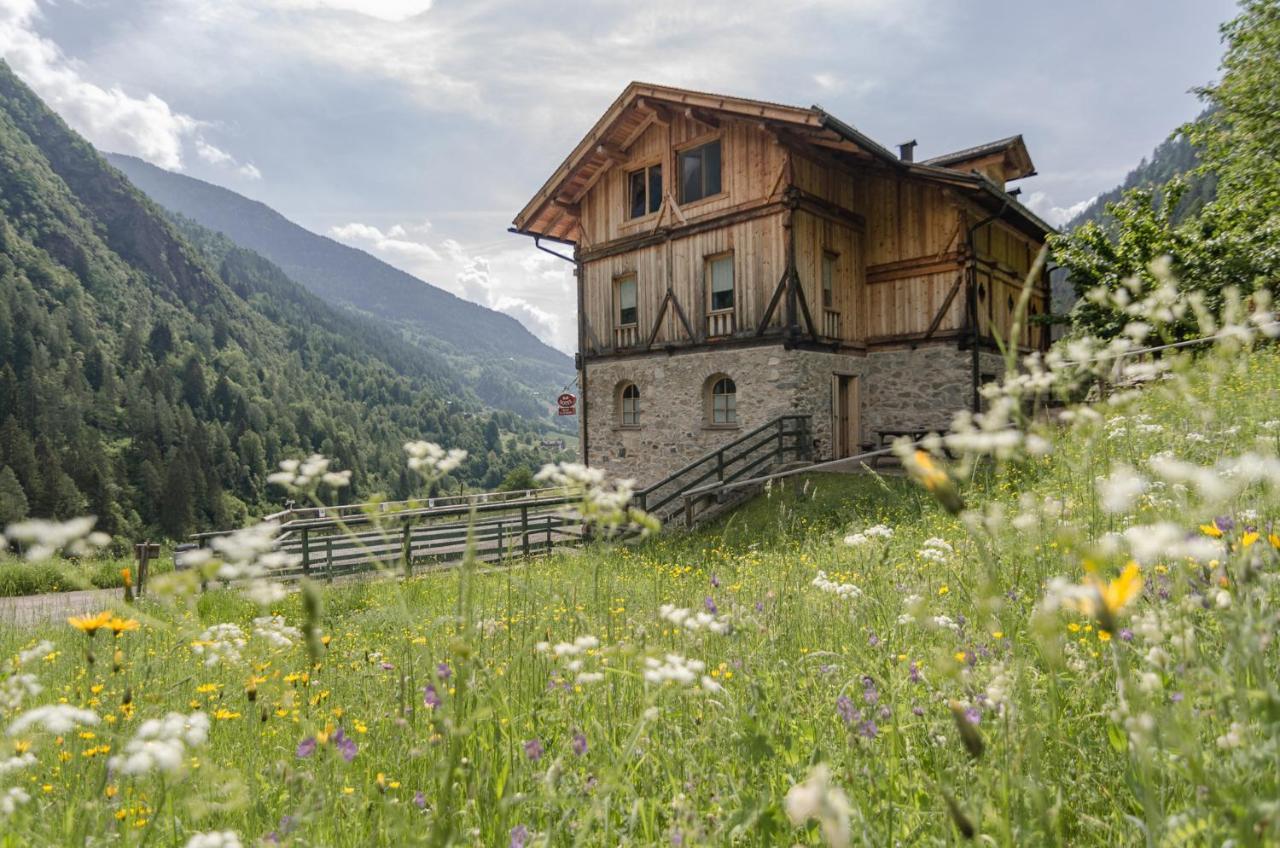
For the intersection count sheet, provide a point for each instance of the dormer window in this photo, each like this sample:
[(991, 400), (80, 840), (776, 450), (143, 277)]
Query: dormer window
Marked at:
[(700, 172), (644, 187)]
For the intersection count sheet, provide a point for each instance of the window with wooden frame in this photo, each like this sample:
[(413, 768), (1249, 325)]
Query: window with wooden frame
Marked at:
[(644, 191), (722, 403), (624, 296), (719, 275), (699, 169), (629, 405), (829, 260)]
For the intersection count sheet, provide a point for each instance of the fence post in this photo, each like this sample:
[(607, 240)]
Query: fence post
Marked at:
[(720, 465), (501, 555), (306, 552), (406, 549), (548, 533), (328, 556), (524, 528)]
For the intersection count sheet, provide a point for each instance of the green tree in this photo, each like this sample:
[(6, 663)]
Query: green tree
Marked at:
[(13, 501), (1234, 241)]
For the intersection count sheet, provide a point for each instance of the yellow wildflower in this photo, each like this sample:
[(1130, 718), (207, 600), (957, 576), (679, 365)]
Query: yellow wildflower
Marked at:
[(90, 624), (1211, 529), (1248, 539)]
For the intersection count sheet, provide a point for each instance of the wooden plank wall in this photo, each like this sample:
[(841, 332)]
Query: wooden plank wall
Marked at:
[(751, 164), (814, 235), (758, 247), (1004, 258)]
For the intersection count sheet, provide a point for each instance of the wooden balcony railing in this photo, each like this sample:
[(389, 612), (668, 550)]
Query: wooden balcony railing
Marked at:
[(831, 323), (720, 323), (628, 336)]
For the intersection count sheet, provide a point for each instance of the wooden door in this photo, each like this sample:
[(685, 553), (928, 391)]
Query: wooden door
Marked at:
[(846, 416)]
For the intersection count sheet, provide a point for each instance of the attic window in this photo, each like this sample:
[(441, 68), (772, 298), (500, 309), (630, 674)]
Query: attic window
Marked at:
[(644, 188), (700, 172)]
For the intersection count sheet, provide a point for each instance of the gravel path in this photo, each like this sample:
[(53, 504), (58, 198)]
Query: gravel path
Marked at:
[(29, 610)]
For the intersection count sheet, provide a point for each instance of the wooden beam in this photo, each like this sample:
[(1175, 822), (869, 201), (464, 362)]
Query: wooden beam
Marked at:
[(702, 117), (660, 113), (773, 304), (675, 301), (804, 308), (612, 152), (736, 215), (942, 311), (657, 324)]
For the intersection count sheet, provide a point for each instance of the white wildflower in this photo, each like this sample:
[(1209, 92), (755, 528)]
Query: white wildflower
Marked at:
[(817, 798), (672, 668), (304, 475), (16, 688), (273, 629), (215, 839), (162, 744), (430, 460), (841, 590), (1118, 491), (43, 538), (54, 718), (17, 762), (1233, 738), (221, 643), (11, 799)]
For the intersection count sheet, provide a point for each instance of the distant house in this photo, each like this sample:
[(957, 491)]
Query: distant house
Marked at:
[(738, 260)]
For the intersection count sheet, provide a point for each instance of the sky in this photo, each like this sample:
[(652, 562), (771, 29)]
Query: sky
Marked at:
[(416, 129)]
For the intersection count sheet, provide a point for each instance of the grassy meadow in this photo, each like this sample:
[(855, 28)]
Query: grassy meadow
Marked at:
[(764, 681)]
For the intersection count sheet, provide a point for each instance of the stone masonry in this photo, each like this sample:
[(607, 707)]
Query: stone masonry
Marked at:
[(900, 389)]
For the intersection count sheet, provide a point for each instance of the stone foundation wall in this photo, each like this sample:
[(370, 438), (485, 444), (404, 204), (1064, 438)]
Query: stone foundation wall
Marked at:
[(899, 389)]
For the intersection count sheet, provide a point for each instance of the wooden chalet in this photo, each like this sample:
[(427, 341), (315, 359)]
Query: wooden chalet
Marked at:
[(739, 259)]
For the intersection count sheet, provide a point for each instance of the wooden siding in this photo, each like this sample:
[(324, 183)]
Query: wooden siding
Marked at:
[(752, 164), (903, 272), (759, 259)]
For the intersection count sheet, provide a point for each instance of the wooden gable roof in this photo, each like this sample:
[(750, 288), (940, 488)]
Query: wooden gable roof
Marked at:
[(553, 212), (1011, 153)]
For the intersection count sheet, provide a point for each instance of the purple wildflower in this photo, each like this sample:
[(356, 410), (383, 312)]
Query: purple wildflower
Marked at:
[(429, 696), (306, 748), (917, 710), (913, 672), (1126, 635), (1176, 697), (873, 640), (868, 729), (345, 744), (579, 743), (1225, 523), (519, 836), (759, 606), (826, 668), (973, 715), (885, 713), (420, 800), (386, 666), (844, 708), (711, 605), (870, 693), (715, 582), (443, 671), (533, 749)]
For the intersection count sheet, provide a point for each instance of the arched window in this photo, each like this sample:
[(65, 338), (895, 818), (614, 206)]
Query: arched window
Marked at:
[(629, 405), (724, 401)]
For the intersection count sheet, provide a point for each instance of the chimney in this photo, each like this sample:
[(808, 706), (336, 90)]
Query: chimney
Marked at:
[(906, 150)]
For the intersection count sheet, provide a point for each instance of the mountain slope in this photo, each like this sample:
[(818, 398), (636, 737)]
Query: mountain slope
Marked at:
[(497, 356), (154, 382)]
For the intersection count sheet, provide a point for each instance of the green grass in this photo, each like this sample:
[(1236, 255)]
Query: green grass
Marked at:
[(1065, 759), (18, 577)]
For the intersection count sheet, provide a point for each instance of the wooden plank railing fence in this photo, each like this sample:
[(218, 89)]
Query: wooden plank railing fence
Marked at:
[(335, 541)]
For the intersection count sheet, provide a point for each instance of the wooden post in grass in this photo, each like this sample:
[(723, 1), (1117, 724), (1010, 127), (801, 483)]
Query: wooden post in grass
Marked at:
[(143, 553), (306, 552), (328, 557), (406, 550), (524, 528)]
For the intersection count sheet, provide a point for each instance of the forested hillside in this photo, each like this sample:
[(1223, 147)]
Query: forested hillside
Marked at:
[(152, 374), (505, 364), (1173, 157)]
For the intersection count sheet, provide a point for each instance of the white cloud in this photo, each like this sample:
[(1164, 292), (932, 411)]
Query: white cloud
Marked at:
[(387, 10), (529, 286), (110, 117), (1040, 203)]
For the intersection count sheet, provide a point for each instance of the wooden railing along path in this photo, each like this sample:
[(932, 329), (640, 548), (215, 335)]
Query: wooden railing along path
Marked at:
[(335, 541)]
